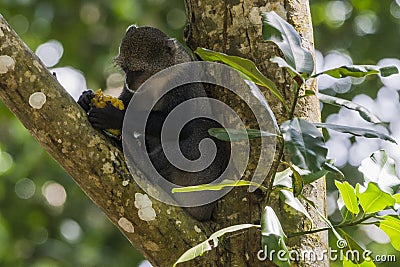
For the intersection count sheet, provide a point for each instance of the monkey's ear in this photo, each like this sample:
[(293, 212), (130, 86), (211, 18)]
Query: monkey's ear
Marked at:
[(171, 44)]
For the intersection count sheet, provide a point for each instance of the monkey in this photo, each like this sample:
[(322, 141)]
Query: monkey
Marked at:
[(143, 52)]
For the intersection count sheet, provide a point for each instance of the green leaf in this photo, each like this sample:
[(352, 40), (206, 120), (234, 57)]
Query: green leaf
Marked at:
[(308, 93), (391, 226), (346, 214), (194, 252), (309, 177), (283, 178), (364, 112), (333, 169), (288, 197), (373, 199), (273, 237), (283, 64), (256, 92), (305, 144), (199, 249), (270, 223), (277, 30), (297, 182), (388, 70), (312, 177), (359, 71), (215, 187), (352, 248), (397, 197), (365, 263), (233, 135), (349, 196), (244, 66), (356, 131), (380, 169)]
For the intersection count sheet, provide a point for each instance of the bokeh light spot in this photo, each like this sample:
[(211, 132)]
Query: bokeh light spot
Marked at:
[(54, 193), (6, 162), (90, 13), (176, 18), (366, 23), (20, 24), (72, 80), (50, 52), (70, 230), (25, 188), (337, 12)]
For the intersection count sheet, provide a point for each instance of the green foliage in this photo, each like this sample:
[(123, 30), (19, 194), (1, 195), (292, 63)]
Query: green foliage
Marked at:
[(199, 249), (273, 238), (373, 200), (305, 144), (359, 71), (216, 187), (353, 246), (391, 226), (234, 135), (364, 112), (245, 67), (379, 168), (283, 64), (349, 196), (288, 198), (349, 263), (277, 30), (356, 131)]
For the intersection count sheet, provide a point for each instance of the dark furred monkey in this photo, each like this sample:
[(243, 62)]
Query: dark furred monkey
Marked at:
[(143, 52)]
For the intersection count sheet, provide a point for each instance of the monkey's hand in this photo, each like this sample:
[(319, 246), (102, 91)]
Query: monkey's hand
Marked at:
[(85, 100), (108, 117)]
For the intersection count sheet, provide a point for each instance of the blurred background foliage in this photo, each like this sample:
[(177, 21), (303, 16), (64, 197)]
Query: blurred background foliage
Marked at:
[(45, 219)]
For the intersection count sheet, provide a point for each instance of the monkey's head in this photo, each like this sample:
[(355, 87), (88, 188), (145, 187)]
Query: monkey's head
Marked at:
[(145, 51)]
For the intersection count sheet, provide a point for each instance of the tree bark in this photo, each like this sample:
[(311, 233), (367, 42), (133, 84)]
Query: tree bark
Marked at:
[(98, 166)]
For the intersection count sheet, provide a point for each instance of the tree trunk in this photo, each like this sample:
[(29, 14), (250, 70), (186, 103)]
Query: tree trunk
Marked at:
[(98, 166), (234, 28)]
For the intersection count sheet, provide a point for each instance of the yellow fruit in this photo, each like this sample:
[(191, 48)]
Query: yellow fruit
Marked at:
[(100, 101)]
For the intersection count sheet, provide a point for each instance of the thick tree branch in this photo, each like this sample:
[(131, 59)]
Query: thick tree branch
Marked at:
[(92, 160)]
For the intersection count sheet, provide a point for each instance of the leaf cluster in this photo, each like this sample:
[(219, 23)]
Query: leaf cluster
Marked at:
[(306, 147)]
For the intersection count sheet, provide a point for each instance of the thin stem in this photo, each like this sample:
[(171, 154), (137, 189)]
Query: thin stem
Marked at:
[(336, 226), (297, 85), (298, 82), (358, 221), (274, 169), (308, 232)]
